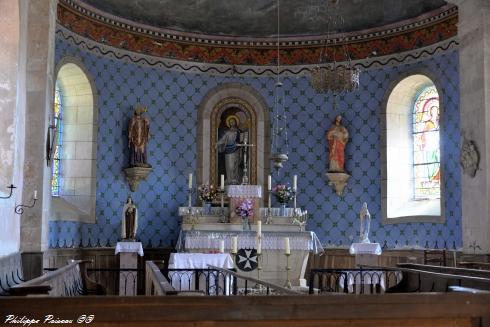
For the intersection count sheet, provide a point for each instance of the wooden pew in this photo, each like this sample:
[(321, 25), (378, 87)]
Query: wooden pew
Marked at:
[(427, 278), (69, 280), (419, 309), (157, 284), (11, 272)]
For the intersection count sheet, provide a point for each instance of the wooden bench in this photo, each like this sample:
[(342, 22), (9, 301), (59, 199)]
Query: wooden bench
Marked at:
[(11, 272), (69, 280), (157, 284)]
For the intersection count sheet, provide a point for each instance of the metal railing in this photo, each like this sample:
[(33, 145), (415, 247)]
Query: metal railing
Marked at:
[(215, 281), (359, 281)]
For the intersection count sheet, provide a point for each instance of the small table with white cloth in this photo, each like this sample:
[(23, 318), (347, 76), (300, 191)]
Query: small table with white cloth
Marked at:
[(128, 263), (183, 281), (367, 254)]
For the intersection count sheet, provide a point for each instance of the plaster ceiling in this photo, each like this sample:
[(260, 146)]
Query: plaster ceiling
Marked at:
[(258, 18)]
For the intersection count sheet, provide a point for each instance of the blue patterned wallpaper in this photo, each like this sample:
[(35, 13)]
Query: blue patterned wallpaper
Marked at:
[(173, 99)]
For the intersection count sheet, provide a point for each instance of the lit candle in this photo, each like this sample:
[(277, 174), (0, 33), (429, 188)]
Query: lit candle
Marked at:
[(221, 246), (222, 182), (190, 181), (35, 195), (287, 249), (234, 244), (259, 246), (295, 182), (269, 183)]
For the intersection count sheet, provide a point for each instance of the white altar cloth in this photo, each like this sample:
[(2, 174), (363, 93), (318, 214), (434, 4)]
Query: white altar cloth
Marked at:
[(365, 248), (244, 191), (129, 247), (200, 261), (203, 239)]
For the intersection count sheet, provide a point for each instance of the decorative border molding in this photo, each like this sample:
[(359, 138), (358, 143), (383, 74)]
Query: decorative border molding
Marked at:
[(239, 52), (126, 56)]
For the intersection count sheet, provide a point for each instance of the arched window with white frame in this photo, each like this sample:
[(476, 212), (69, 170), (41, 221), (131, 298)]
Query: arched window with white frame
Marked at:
[(74, 160), (411, 157)]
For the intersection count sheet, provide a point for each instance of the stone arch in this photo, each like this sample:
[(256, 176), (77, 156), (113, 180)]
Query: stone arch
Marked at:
[(214, 103), (397, 152)]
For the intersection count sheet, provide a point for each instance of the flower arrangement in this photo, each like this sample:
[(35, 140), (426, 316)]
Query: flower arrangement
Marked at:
[(283, 193), (207, 193), (245, 209)]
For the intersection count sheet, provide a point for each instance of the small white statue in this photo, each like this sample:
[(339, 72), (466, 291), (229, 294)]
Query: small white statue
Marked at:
[(365, 223)]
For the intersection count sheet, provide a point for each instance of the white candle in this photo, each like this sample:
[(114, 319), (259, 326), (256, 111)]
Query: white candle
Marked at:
[(190, 181), (259, 228), (269, 183), (35, 195), (259, 246), (295, 182), (287, 249), (222, 182), (221, 246), (234, 244)]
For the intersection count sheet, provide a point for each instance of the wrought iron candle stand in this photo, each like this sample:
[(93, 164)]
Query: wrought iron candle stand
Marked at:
[(19, 209), (288, 268), (11, 187)]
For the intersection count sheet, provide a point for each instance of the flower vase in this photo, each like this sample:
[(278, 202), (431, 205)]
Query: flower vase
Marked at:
[(207, 208), (282, 209), (245, 224)]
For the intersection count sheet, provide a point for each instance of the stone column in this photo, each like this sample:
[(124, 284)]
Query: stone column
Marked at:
[(10, 107), (474, 68), (38, 18)]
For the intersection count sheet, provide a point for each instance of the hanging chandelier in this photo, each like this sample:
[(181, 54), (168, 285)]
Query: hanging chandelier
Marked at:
[(334, 76), (280, 148)]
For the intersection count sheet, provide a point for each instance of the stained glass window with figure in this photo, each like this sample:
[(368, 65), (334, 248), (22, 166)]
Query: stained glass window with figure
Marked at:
[(426, 152), (56, 176)]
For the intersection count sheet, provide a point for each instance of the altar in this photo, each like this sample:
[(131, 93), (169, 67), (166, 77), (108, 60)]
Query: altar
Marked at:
[(206, 232)]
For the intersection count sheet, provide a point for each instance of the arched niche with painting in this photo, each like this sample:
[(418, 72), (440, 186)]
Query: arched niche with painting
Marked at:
[(220, 107)]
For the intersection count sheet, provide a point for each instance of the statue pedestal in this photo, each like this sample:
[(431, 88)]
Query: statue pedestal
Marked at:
[(338, 181), (367, 254), (128, 259), (135, 175)]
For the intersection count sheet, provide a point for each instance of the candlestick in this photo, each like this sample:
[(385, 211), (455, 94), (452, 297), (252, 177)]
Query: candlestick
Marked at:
[(221, 246), (234, 244), (259, 268), (222, 185), (287, 249), (190, 180), (259, 246), (287, 284)]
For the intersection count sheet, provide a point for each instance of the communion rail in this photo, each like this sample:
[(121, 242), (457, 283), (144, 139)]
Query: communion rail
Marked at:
[(69, 280), (211, 281), (427, 278), (359, 281)]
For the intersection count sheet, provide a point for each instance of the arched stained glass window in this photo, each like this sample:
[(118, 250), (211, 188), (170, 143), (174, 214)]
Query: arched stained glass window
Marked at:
[(58, 109), (426, 153)]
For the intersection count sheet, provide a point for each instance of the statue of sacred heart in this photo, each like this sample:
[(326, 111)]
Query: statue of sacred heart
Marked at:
[(246, 259)]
